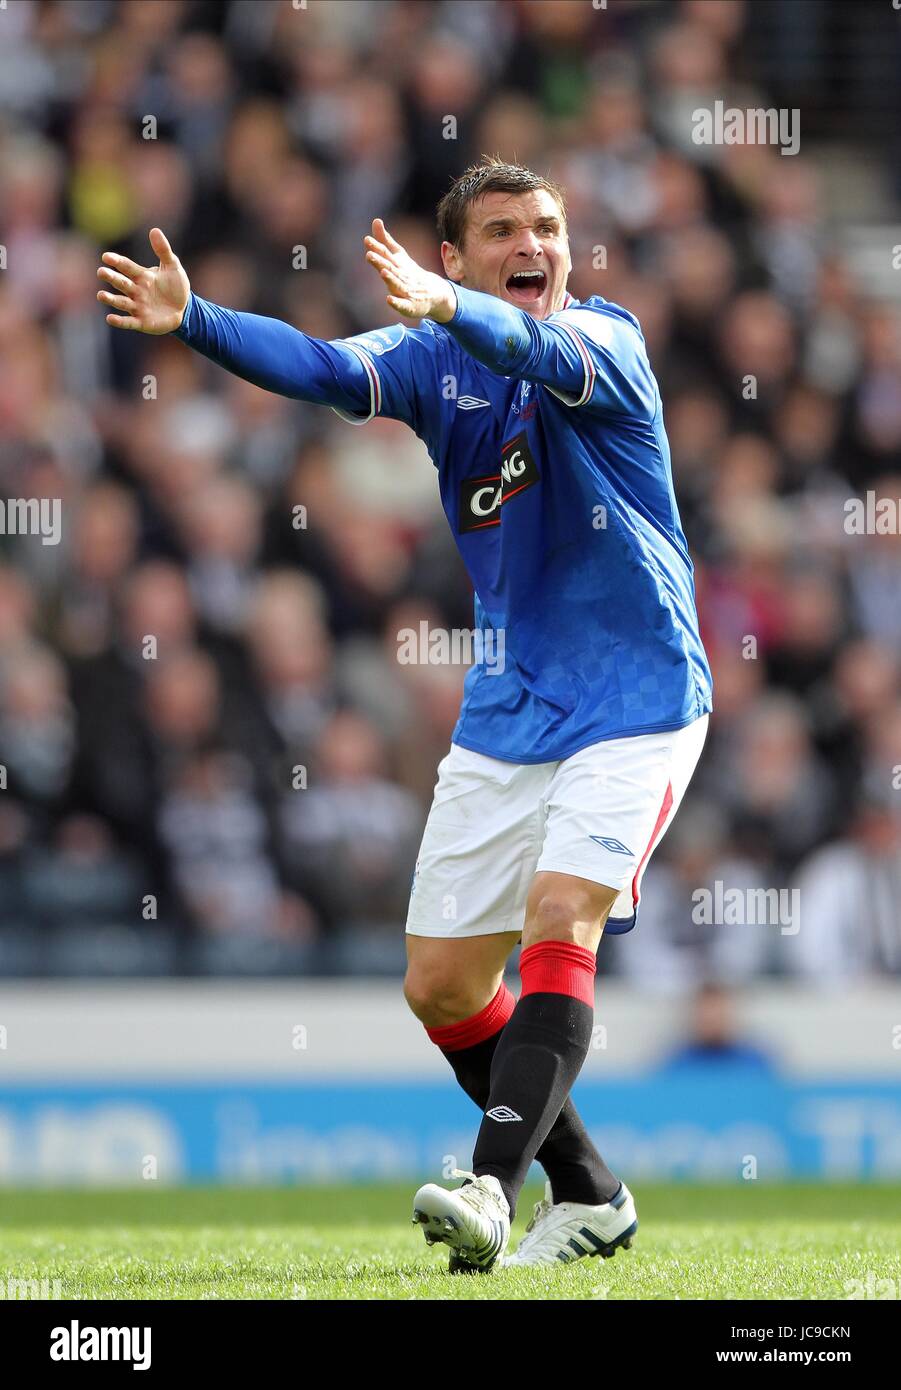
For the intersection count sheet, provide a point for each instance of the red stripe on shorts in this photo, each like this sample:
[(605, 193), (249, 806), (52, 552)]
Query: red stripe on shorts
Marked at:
[(655, 835)]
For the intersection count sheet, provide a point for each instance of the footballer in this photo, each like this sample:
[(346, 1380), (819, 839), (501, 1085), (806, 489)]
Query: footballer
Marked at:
[(568, 763)]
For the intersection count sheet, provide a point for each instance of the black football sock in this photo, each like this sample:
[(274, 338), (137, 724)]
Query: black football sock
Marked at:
[(575, 1169), (537, 1059)]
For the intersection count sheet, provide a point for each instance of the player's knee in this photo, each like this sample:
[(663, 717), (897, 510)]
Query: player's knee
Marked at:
[(436, 997), (553, 917), (429, 994), (567, 913)]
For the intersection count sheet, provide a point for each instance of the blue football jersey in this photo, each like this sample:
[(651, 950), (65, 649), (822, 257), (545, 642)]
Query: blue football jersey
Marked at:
[(557, 485)]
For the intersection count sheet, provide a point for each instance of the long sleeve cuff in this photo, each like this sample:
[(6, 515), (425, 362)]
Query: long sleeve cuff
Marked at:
[(183, 330), (494, 332)]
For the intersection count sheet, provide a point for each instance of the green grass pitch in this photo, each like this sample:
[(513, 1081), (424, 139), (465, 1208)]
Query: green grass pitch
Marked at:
[(746, 1240)]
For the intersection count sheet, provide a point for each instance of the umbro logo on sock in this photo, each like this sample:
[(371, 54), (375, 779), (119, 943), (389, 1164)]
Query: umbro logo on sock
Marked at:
[(503, 1114)]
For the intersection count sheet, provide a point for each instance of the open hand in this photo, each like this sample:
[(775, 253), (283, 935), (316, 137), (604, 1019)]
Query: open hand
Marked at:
[(151, 299), (415, 293)]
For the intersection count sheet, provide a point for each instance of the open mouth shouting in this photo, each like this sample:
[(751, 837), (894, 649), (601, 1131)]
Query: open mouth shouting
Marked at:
[(526, 286)]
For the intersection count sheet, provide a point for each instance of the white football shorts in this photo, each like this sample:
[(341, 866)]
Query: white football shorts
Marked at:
[(493, 824)]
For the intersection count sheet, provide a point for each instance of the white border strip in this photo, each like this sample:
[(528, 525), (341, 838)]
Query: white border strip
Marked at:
[(375, 391), (588, 365), (187, 1031)]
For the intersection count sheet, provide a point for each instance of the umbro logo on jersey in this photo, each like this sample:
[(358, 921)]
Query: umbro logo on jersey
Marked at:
[(615, 846), (470, 403), (481, 498), (503, 1114)]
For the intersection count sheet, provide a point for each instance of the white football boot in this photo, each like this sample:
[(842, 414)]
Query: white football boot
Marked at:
[(561, 1232), (474, 1220)]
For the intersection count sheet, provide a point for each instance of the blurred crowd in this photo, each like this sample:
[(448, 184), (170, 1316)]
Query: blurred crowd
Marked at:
[(211, 756)]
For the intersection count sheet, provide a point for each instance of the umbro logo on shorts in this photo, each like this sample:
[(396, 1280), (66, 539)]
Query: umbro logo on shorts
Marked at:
[(481, 498), (615, 846), (503, 1114)]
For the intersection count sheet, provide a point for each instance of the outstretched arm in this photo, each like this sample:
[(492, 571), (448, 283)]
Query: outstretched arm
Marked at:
[(269, 353), (585, 356), (278, 357)]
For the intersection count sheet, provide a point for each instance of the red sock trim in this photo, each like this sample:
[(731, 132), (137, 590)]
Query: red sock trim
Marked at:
[(558, 967), (452, 1037)]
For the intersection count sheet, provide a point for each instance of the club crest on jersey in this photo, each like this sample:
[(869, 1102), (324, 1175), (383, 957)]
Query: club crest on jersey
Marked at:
[(525, 409), (380, 340), (481, 498)]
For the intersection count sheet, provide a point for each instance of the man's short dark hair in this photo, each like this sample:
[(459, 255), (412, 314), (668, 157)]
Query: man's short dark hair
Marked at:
[(491, 175)]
